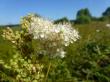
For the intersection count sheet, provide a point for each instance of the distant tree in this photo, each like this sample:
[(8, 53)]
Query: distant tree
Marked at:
[(83, 12), (83, 20), (62, 20), (106, 15), (106, 12), (83, 16)]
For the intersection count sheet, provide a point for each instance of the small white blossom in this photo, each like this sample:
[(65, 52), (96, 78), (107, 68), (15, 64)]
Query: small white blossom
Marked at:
[(97, 30), (42, 35), (108, 25), (34, 69), (62, 54)]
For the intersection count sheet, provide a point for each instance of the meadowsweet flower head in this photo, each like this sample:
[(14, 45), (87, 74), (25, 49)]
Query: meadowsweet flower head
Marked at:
[(44, 29), (52, 35)]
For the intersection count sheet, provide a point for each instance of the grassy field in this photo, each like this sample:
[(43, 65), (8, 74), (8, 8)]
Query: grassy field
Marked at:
[(94, 40)]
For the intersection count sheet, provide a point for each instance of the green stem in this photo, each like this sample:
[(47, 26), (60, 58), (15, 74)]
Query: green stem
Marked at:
[(47, 71)]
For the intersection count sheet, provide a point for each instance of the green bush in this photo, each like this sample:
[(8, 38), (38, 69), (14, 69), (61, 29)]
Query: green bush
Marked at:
[(83, 20), (83, 16)]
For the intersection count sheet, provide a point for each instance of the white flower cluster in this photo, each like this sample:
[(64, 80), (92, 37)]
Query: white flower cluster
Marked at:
[(56, 35), (46, 30)]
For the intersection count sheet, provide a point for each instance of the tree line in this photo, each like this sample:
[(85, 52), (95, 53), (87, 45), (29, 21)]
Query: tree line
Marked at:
[(84, 16)]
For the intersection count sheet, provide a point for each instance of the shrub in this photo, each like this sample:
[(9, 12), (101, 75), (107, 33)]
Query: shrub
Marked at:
[(83, 16), (83, 20)]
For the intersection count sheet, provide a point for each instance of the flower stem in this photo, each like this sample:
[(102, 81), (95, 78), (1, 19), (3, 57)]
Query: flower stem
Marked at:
[(47, 71)]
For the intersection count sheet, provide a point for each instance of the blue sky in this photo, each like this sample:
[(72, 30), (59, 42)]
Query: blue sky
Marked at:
[(12, 10)]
